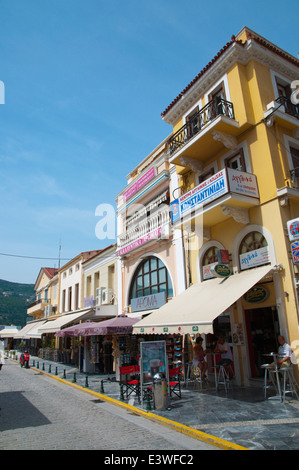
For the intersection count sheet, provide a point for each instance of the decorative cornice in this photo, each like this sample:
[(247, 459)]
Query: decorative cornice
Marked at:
[(234, 51)]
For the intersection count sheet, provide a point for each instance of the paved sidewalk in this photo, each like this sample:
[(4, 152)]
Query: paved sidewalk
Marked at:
[(241, 416)]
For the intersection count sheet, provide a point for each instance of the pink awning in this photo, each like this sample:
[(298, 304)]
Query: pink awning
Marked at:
[(117, 325)]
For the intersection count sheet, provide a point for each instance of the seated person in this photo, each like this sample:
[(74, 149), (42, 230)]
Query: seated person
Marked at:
[(284, 354), (223, 348), (199, 357)]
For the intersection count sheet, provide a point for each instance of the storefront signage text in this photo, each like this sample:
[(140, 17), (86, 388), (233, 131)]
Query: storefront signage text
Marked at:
[(256, 295), (150, 174), (226, 180), (150, 236), (221, 270), (254, 258), (148, 302)]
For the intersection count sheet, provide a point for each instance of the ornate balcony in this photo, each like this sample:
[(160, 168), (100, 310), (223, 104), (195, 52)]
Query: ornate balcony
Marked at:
[(289, 107), (154, 227), (199, 121)]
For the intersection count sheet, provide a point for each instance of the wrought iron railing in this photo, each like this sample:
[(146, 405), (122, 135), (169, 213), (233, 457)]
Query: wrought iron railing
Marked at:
[(295, 177), (290, 108), (38, 301), (216, 107)]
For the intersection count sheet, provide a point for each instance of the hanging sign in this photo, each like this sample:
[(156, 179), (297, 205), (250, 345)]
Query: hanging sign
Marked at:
[(221, 270), (223, 256), (295, 252), (293, 229)]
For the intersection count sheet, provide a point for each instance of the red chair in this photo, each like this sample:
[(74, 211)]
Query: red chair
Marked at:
[(175, 382), (132, 385)]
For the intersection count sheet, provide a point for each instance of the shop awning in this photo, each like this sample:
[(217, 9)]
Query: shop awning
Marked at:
[(9, 333), (34, 331), (22, 334), (117, 325), (55, 325), (194, 310)]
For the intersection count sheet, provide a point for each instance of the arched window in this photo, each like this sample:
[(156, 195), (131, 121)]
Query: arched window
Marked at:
[(253, 250), (209, 259), (151, 277)]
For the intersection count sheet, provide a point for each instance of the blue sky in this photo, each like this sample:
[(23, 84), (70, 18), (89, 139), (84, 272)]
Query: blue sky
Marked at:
[(85, 85)]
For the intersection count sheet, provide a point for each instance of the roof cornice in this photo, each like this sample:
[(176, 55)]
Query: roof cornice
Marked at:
[(234, 51)]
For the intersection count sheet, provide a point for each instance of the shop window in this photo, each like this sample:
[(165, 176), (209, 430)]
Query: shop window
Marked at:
[(209, 260), (253, 251), (151, 278)]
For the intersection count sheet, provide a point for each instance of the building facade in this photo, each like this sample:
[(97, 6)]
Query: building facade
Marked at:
[(147, 248), (235, 147)]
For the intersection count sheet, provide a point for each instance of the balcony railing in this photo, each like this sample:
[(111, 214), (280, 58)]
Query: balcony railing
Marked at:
[(295, 177), (290, 108), (39, 301), (145, 229), (216, 107)]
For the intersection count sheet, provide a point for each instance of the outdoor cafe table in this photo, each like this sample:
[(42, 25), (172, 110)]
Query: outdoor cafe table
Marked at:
[(275, 370)]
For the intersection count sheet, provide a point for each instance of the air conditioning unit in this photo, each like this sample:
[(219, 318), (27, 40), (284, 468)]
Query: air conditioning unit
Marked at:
[(99, 295), (107, 296)]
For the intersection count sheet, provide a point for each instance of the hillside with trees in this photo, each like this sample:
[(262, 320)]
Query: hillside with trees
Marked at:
[(14, 299)]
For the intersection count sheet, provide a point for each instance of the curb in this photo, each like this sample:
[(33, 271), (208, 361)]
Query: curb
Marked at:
[(208, 438)]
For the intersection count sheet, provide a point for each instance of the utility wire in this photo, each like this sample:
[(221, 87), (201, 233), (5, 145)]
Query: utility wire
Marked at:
[(34, 257)]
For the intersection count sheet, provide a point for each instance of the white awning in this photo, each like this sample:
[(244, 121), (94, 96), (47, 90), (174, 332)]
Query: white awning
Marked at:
[(25, 330), (9, 333), (33, 332), (194, 310), (51, 326)]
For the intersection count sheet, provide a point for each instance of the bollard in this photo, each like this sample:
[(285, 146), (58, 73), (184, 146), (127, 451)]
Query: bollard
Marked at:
[(37, 365), (86, 381), (49, 368), (121, 392), (64, 374), (43, 366), (33, 363), (74, 379), (148, 402), (56, 371), (102, 386)]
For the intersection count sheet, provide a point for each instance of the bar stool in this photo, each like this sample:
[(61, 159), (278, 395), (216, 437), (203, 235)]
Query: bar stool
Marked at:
[(222, 378), (288, 375), (267, 376)]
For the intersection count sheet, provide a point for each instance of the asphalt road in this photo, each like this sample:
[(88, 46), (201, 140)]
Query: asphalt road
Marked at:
[(39, 413)]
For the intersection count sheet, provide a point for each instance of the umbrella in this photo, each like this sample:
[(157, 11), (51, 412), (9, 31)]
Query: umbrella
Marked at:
[(116, 325)]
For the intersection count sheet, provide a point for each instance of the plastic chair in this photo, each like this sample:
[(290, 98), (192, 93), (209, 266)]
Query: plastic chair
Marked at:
[(175, 382)]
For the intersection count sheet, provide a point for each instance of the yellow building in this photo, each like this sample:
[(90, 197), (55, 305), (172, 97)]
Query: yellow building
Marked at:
[(44, 306), (235, 145)]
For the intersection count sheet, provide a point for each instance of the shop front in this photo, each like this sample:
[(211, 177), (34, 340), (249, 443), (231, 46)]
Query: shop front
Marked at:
[(209, 309)]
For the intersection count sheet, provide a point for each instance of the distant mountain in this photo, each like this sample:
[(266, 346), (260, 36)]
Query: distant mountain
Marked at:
[(14, 299)]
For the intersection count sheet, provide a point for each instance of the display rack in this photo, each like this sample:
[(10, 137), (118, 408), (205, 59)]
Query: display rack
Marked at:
[(174, 350)]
